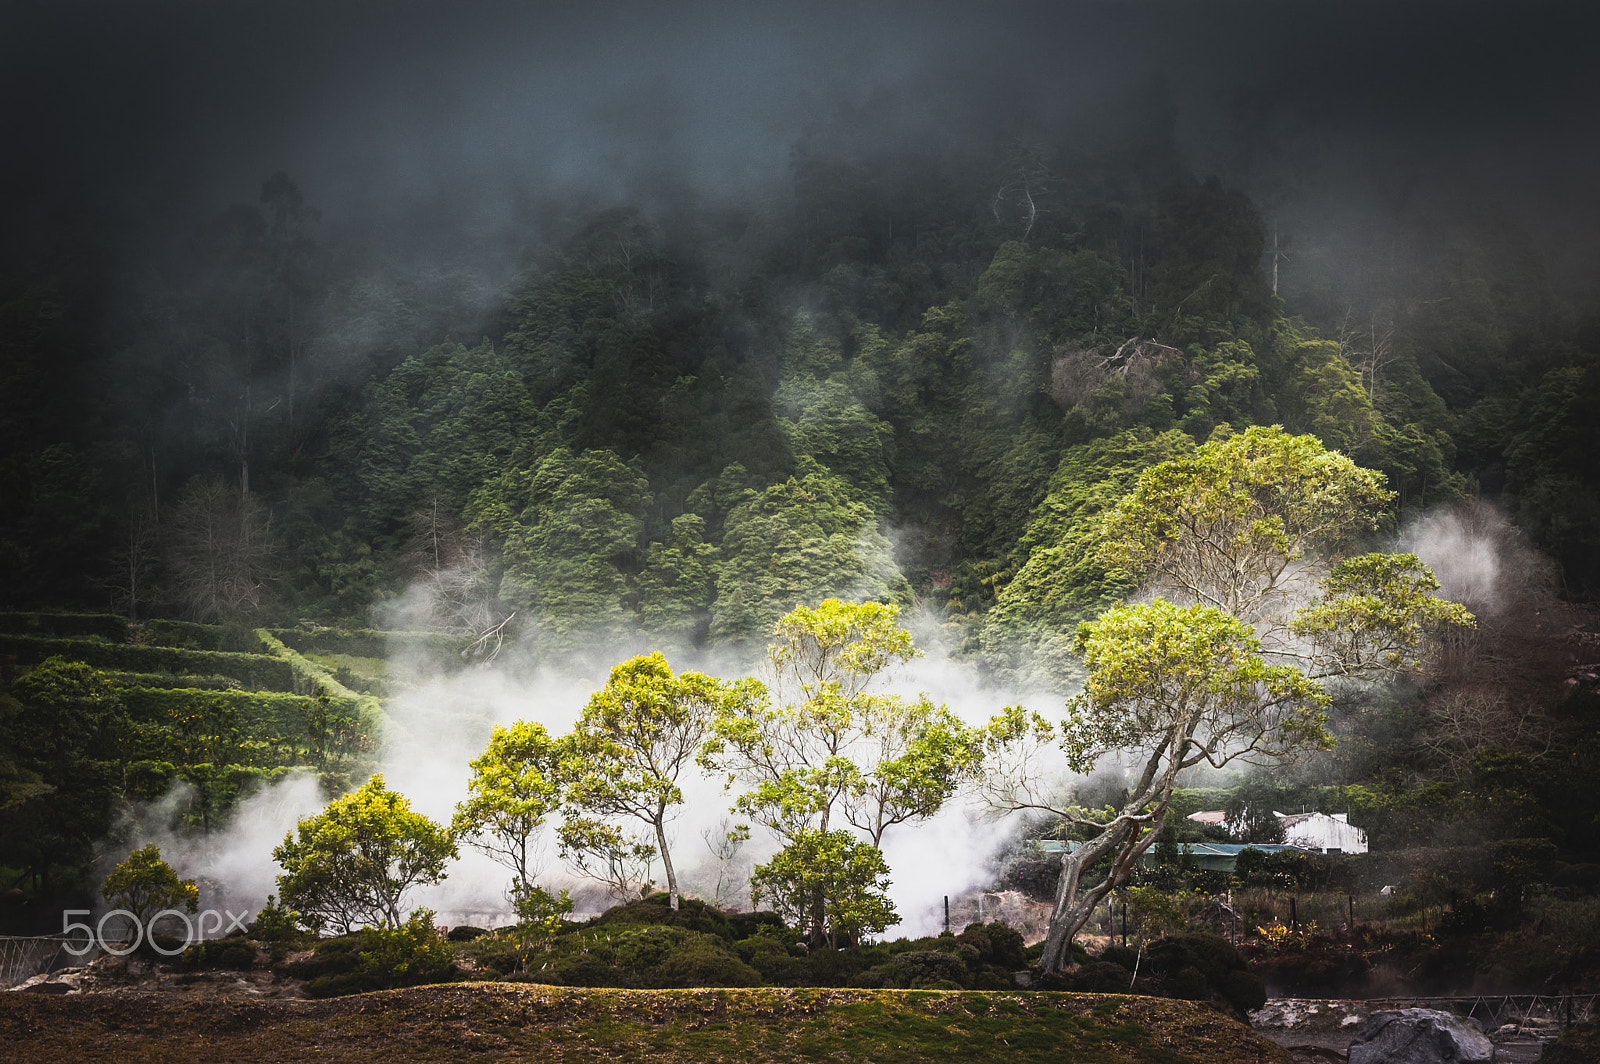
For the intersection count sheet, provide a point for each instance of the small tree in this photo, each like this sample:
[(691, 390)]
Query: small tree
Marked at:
[(832, 745), (637, 735), (351, 864), (849, 875), (539, 916), (517, 783), (144, 885)]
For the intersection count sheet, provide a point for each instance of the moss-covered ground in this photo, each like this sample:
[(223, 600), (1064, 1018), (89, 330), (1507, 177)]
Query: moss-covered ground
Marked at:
[(486, 1021)]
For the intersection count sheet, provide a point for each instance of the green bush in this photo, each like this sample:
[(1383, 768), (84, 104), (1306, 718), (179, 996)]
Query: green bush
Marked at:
[(692, 913), (926, 970), (642, 957), (700, 962), (997, 944), (379, 959), (1123, 955), (233, 954), (1096, 977), (1203, 966), (776, 955), (276, 923), (743, 925)]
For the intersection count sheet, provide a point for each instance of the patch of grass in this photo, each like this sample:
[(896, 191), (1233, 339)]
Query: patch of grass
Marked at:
[(527, 1022)]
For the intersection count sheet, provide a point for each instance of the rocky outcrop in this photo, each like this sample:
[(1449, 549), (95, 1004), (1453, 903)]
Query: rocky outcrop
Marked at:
[(1419, 1036)]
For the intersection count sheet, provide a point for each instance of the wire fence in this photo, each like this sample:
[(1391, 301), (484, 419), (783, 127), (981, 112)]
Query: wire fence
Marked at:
[(23, 957)]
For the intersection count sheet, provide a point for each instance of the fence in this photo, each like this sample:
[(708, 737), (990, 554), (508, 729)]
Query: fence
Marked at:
[(22, 957)]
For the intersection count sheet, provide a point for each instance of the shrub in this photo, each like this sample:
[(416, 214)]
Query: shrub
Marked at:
[(1097, 977), (1190, 984), (692, 913), (1244, 990), (700, 962), (144, 884), (776, 956), (744, 925), (997, 943), (378, 959), (1123, 955), (465, 933), (1203, 966), (408, 955), (235, 954), (929, 970), (643, 957), (276, 923)]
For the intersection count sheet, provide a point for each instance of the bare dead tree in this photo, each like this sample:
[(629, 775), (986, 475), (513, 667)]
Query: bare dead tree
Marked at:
[(451, 568), (219, 548), (1026, 182), (134, 561), (1369, 350)]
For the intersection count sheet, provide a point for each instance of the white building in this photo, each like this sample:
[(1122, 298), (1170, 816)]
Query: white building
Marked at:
[(1322, 832), (1317, 832)]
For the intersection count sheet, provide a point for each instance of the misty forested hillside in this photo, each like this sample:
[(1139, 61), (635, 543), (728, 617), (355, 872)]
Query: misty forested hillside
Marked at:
[(914, 378)]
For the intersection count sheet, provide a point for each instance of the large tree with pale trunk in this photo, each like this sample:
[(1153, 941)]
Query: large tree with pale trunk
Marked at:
[(1253, 612)]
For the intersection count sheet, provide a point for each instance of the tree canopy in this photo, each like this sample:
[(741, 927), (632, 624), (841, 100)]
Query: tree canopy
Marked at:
[(1239, 535)]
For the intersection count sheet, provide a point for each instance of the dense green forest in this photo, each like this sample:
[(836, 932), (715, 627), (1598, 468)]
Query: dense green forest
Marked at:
[(912, 382)]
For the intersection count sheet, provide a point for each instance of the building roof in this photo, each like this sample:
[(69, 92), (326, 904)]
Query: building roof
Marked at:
[(1195, 849)]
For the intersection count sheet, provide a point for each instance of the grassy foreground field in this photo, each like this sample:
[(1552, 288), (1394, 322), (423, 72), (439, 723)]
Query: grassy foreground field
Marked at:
[(539, 1023)]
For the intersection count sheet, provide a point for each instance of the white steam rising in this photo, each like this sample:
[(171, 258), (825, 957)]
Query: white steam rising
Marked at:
[(1464, 547), (442, 719)]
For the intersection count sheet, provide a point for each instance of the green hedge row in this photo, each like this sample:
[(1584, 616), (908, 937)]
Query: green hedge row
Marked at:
[(150, 779), (258, 672), (187, 634), (309, 677), (169, 681), (66, 625), (364, 643), (269, 712), (367, 642)]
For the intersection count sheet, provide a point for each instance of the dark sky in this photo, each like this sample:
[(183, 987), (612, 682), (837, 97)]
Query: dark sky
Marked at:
[(144, 114)]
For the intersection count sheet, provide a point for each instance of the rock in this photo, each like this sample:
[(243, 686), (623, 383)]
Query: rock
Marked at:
[(1419, 1036), (47, 988)]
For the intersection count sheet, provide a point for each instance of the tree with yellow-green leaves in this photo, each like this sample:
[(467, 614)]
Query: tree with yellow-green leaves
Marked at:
[(634, 740), (1255, 614), (144, 885), (517, 784), (832, 746), (351, 864)]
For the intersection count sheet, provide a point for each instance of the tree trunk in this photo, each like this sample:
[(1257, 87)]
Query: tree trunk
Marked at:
[(1073, 909), (666, 861)]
